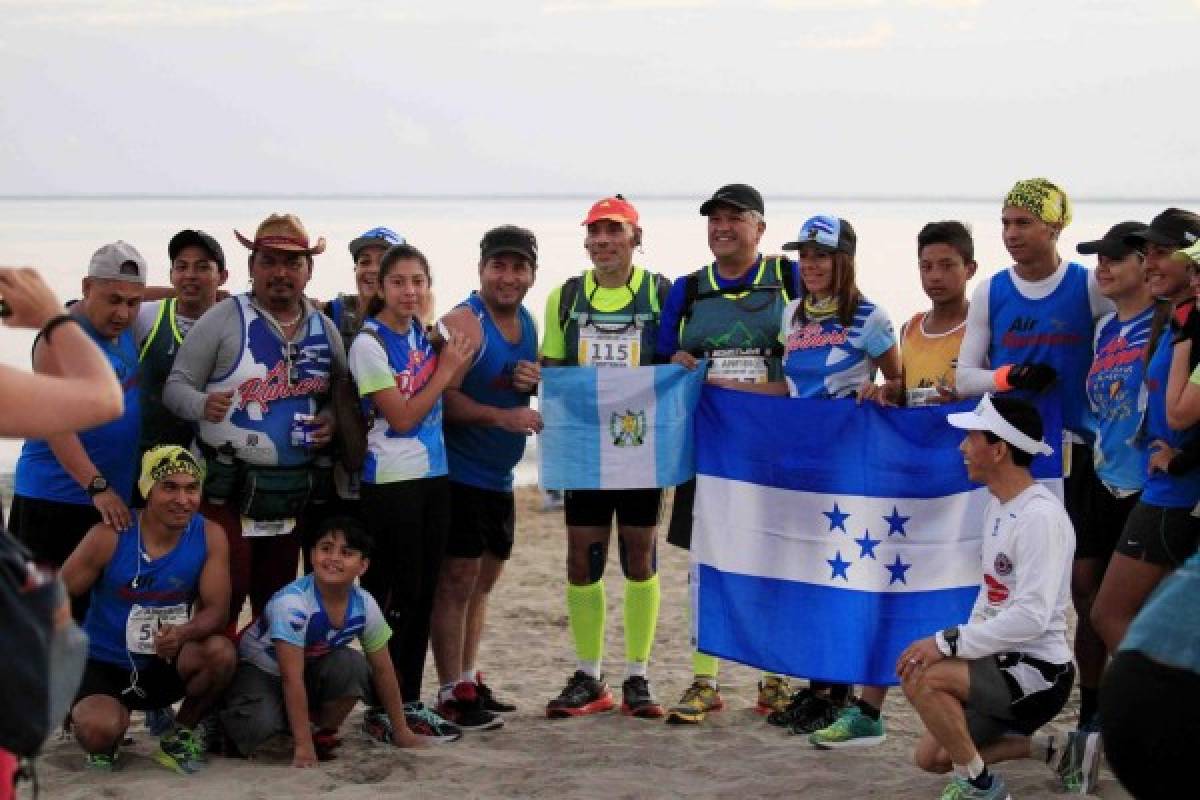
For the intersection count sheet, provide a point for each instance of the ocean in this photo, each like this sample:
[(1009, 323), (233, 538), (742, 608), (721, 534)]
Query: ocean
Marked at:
[(58, 235)]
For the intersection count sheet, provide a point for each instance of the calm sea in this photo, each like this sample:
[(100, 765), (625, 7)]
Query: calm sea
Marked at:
[(58, 235)]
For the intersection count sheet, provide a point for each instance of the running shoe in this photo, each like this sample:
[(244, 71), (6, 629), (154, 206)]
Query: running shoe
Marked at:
[(160, 720), (1079, 765), (697, 701), (325, 742), (636, 699), (420, 720), (464, 708), (795, 708), (961, 789), (582, 695), (102, 762), (180, 751), (852, 728), (774, 694), (489, 700), (820, 712)]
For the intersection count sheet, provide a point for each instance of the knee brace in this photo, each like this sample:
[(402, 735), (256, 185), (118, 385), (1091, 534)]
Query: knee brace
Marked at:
[(597, 556)]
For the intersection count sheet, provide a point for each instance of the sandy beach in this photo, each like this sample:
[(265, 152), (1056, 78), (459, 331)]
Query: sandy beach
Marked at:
[(526, 654)]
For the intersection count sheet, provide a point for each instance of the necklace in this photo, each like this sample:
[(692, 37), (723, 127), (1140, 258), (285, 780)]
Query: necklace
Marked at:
[(288, 323)]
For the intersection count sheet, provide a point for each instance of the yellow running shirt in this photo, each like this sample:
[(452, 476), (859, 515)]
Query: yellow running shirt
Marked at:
[(929, 360)]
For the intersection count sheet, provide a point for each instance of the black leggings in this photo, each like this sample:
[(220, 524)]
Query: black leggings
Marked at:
[(409, 522)]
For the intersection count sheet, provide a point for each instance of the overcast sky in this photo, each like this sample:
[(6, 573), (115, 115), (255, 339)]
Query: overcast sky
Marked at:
[(815, 97)]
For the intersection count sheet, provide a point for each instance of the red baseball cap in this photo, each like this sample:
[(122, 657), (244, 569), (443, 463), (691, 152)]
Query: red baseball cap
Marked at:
[(615, 207)]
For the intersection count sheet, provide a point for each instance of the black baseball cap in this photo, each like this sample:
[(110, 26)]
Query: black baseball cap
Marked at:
[(1112, 244), (509, 239), (191, 238), (1172, 228), (738, 195)]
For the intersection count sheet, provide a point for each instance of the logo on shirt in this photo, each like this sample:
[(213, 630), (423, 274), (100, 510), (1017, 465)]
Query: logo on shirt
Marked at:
[(276, 386), (1003, 564), (997, 592), (812, 336), (416, 373), (1022, 333)]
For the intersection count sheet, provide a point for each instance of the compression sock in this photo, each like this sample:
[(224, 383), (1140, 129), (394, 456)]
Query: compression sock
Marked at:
[(585, 613), (1089, 702), (641, 618), (868, 710), (704, 667)]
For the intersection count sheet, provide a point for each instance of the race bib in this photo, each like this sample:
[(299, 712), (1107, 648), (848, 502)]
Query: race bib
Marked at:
[(741, 368), (267, 527), (924, 396), (144, 622), (610, 349)]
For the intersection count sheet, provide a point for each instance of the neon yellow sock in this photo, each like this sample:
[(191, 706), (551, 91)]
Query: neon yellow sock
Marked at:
[(585, 613), (641, 618), (704, 665)]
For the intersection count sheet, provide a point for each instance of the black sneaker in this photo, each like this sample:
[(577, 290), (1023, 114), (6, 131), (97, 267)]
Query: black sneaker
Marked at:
[(795, 708), (819, 712), (488, 699), (637, 700), (420, 720), (465, 709), (582, 695)]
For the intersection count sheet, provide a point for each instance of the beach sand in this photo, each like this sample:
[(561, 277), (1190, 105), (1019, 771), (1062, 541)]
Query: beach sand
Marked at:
[(527, 656)]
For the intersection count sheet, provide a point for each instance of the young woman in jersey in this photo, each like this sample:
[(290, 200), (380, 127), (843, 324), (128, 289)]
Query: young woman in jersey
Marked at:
[(405, 494)]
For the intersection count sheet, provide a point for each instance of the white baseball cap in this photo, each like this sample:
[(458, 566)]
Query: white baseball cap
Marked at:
[(985, 417)]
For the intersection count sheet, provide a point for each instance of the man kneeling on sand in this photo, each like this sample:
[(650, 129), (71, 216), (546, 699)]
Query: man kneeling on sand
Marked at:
[(298, 673), (160, 595), (983, 688)]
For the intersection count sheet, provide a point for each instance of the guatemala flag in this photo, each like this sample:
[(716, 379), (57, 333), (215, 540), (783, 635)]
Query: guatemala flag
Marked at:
[(617, 428), (828, 536)]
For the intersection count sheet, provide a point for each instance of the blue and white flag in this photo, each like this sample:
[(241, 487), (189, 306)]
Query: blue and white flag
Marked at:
[(617, 428), (828, 536)]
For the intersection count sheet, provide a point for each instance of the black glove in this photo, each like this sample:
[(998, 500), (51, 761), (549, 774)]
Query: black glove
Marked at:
[(1034, 377), (1185, 323)]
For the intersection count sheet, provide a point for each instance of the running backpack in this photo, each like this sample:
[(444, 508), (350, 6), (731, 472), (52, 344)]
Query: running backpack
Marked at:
[(692, 293), (574, 284)]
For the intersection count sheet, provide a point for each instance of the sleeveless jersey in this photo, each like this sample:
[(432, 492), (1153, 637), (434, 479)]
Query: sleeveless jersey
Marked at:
[(485, 456), (109, 446), (272, 381), (621, 337), (1054, 330), (1116, 396), (407, 362), (929, 360), (160, 426), (824, 359), (132, 593), (1161, 489), (738, 327)]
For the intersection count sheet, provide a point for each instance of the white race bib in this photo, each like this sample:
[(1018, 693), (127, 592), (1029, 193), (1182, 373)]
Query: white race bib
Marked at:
[(925, 396), (744, 369), (267, 527), (144, 622), (610, 349)]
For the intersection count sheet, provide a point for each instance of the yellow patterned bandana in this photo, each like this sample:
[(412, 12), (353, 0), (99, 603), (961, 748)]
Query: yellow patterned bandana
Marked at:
[(1188, 255), (1043, 199), (164, 460)]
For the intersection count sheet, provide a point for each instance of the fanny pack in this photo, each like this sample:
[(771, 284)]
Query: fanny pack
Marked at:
[(274, 492)]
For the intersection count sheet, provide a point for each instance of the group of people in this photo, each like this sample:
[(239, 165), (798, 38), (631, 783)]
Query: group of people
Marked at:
[(379, 444)]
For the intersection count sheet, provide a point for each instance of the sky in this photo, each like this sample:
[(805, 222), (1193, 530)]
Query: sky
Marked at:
[(912, 98)]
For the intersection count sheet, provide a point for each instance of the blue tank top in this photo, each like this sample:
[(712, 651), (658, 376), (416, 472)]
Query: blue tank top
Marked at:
[(1116, 396), (1163, 490), (112, 447), (1055, 330), (479, 455), (170, 580)]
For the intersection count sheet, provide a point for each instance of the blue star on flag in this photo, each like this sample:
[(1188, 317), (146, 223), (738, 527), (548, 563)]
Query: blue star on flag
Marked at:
[(898, 568), (839, 567), (837, 518), (867, 545), (896, 522)]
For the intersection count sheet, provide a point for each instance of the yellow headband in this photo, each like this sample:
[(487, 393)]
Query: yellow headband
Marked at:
[(1043, 199), (164, 460)]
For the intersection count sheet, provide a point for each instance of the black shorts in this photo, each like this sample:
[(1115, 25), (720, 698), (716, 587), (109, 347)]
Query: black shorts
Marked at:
[(594, 508), (1157, 535), (156, 685), (1096, 514), (480, 519), (1014, 693), (679, 530), (51, 530)]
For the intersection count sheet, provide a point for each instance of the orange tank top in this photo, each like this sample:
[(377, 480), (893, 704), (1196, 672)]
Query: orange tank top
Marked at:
[(929, 360)]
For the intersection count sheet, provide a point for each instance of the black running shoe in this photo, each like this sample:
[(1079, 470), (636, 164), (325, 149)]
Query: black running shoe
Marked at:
[(795, 708), (637, 700), (820, 712), (582, 695), (464, 708), (488, 699)]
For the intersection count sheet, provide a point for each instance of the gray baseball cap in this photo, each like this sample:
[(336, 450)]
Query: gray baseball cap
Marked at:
[(118, 261)]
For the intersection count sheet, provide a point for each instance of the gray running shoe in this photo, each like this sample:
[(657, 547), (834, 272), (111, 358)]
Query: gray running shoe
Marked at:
[(1079, 765)]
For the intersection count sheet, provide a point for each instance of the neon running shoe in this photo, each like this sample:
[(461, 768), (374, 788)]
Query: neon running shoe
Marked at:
[(420, 720), (160, 720), (697, 701), (819, 712), (464, 708), (637, 701), (102, 762), (582, 695), (1079, 765), (180, 751), (774, 694), (794, 709), (961, 789), (489, 700), (852, 728)]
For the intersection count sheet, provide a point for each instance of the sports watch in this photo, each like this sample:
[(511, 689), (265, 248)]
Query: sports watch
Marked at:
[(950, 637), (97, 485)]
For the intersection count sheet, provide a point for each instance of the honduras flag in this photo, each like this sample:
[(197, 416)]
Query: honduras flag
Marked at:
[(828, 536), (617, 428)]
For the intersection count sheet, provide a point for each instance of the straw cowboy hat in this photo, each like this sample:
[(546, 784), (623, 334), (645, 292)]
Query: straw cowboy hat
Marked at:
[(282, 232)]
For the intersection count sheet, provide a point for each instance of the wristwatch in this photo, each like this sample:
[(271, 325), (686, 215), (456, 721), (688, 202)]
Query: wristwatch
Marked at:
[(97, 485), (950, 637)]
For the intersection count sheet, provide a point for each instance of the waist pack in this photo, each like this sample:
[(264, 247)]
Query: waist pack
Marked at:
[(274, 492)]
